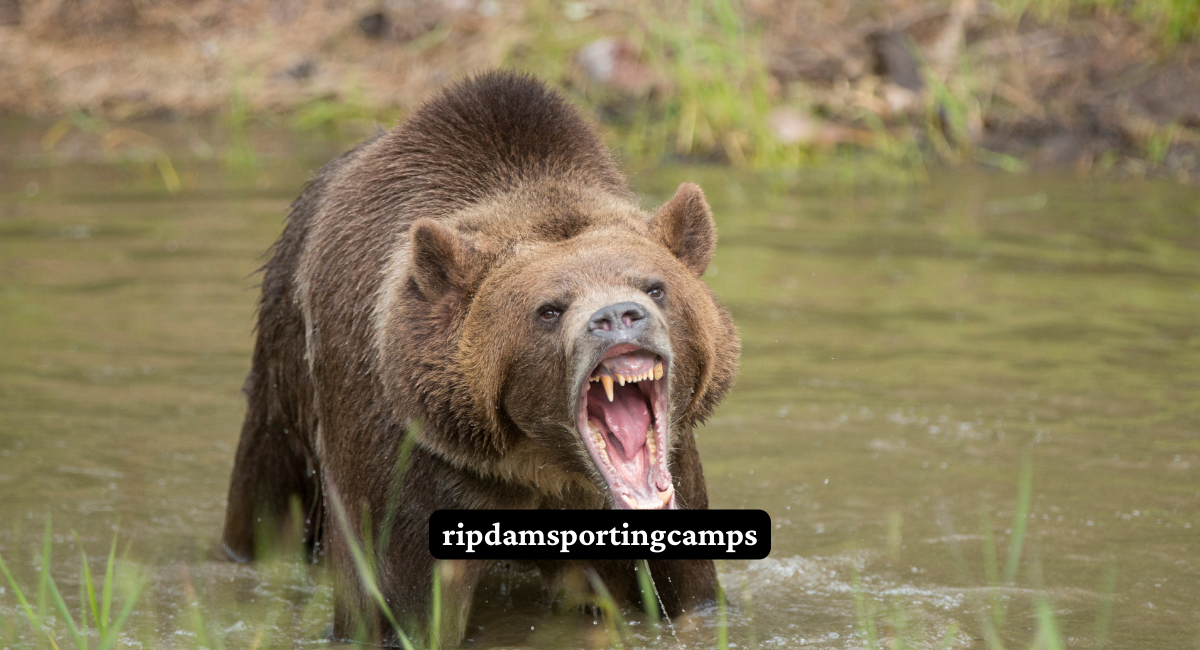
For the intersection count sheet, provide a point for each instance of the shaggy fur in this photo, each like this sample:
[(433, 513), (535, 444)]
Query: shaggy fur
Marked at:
[(406, 287)]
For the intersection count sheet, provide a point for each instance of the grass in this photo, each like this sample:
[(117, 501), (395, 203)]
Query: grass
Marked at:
[(713, 63), (992, 613), (711, 92), (711, 96), (120, 144), (1173, 21), (105, 604), (41, 617)]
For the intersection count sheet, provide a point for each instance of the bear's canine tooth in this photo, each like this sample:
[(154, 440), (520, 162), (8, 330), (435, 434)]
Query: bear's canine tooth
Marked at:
[(608, 387), (665, 495), (658, 370)]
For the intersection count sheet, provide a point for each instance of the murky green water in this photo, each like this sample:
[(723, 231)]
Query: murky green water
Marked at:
[(904, 347)]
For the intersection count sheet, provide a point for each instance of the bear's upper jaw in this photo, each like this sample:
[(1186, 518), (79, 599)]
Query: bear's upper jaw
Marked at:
[(623, 422)]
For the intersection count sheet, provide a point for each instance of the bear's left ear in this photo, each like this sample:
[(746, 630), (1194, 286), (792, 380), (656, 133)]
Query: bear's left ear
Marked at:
[(685, 226), (441, 261)]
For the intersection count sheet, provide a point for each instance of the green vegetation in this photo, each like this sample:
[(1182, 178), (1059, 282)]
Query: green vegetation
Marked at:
[(991, 615), (1174, 21), (700, 89), (42, 619), (695, 84), (103, 617), (709, 65)]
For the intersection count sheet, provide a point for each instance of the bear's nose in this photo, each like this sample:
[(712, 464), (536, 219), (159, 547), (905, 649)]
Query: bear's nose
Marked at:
[(622, 320)]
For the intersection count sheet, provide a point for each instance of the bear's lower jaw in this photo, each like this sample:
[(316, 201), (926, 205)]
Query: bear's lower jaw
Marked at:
[(623, 423)]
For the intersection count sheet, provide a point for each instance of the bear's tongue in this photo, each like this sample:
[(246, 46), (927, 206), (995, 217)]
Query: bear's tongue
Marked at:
[(627, 416)]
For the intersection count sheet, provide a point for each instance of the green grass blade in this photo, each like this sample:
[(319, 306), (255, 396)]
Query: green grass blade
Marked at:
[(365, 573), (899, 625), (612, 614), (110, 637), (61, 605), (991, 567), (198, 626), (83, 599), (646, 588), (6, 633), (43, 583), (34, 620), (986, 626), (106, 595), (613, 620), (87, 590), (722, 618), (863, 614), (948, 640), (1020, 519), (1047, 637), (435, 614), (403, 454)]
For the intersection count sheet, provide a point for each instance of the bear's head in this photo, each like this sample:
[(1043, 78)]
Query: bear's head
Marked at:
[(558, 331)]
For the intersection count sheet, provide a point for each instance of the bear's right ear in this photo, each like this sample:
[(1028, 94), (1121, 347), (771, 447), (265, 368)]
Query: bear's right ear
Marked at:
[(441, 261), (685, 226)]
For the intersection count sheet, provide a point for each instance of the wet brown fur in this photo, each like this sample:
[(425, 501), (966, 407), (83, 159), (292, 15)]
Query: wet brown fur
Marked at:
[(404, 289)]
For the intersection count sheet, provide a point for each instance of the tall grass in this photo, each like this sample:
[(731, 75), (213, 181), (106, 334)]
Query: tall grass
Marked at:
[(711, 92), (720, 97), (991, 613), (41, 618), (106, 601)]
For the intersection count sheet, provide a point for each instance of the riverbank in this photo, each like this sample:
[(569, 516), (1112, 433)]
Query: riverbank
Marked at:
[(762, 84)]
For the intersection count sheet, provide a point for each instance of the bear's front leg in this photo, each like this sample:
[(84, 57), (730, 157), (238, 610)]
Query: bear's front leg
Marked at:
[(404, 572)]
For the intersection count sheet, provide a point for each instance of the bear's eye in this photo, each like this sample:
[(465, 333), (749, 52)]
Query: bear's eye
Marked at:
[(656, 292), (549, 313)]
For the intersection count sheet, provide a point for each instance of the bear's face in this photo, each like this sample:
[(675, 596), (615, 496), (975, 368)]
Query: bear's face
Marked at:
[(599, 347)]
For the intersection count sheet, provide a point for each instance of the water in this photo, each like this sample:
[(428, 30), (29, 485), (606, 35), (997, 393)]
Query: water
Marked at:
[(903, 349)]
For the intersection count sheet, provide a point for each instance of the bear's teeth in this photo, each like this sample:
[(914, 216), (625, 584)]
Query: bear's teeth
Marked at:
[(608, 387), (651, 446), (666, 495), (658, 370), (594, 378), (597, 436)]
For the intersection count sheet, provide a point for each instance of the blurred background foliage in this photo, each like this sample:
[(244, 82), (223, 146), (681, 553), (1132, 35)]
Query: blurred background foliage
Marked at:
[(1099, 85)]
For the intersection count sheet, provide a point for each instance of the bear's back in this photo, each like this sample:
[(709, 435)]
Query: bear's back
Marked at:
[(484, 136)]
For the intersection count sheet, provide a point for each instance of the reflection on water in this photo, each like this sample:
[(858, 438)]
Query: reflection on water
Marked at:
[(903, 348)]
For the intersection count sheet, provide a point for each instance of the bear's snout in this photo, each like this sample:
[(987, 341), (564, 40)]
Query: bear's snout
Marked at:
[(618, 323)]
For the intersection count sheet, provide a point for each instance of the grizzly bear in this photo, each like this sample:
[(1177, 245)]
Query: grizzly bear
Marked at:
[(482, 279)]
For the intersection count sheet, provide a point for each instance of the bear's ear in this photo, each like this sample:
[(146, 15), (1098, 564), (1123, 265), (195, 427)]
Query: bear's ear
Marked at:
[(441, 261), (685, 226)]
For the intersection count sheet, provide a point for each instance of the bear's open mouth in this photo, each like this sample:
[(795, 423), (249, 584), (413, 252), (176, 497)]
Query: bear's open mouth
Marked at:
[(623, 423)]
